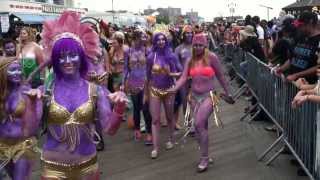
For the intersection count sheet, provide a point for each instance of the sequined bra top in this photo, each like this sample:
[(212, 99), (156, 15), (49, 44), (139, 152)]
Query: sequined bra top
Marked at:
[(158, 69), (84, 114), (117, 61), (19, 109), (137, 61)]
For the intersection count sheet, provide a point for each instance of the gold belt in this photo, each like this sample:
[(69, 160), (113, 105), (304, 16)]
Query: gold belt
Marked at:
[(70, 171), (13, 150), (134, 90), (159, 93)]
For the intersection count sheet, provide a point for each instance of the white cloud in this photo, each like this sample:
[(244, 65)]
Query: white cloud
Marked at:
[(206, 8)]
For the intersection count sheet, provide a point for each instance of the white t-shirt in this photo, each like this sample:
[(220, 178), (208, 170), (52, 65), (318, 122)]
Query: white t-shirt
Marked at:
[(260, 32)]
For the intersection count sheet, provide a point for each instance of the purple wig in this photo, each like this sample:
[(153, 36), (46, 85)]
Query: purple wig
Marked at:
[(169, 56), (68, 45), (156, 38), (166, 50)]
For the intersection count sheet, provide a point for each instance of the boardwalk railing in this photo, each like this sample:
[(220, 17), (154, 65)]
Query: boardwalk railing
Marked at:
[(299, 129)]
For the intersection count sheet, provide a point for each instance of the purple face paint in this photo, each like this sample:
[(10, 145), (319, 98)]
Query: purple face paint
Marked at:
[(199, 49), (14, 73), (188, 37), (10, 49), (69, 63), (161, 41)]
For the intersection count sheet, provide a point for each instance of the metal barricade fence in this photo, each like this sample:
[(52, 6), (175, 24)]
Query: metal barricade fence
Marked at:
[(297, 127)]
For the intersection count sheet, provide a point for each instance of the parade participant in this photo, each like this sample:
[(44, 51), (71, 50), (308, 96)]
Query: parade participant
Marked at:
[(184, 52), (98, 69), (31, 54), (203, 67), (20, 114), (162, 67), (135, 79), (74, 105), (10, 48), (117, 55), (148, 41)]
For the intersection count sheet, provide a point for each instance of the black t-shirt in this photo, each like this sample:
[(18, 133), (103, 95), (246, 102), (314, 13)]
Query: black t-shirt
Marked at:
[(282, 51), (252, 45), (305, 57)]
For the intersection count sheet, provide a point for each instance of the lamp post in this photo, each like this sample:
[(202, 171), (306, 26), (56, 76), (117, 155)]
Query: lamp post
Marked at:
[(112, 12), (268, 9)]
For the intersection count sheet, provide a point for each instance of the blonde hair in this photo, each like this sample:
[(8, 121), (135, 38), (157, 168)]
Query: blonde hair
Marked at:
[(31, 33), (205, 58)]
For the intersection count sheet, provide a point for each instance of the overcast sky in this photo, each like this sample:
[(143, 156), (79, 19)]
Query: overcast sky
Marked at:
[(206, 8)]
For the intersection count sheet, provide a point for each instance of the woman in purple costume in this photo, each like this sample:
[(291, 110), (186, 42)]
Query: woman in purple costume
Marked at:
[(162, 67), (203, 67), (184, 52), (20, 114), (135, 79), (69, 150)]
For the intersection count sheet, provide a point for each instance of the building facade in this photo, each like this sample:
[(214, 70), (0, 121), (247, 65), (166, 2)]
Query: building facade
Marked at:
[(30, 12), (300, 6)]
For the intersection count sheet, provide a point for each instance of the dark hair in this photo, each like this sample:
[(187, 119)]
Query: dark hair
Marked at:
[(248, 20), (270, 24), (308, 18), (9, 40), (155, 48), (290, 29), (136, 35), (287, 22), (256, 19)]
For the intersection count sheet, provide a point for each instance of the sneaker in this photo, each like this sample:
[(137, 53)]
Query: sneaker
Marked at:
[(148, 140), (154, 154), (100, 146), (169, 145), (203, 165), (248, 98), (142, 129), (272, 128), (177, 127)]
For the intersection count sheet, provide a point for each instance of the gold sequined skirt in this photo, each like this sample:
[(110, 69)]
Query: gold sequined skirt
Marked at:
[(56, 170)]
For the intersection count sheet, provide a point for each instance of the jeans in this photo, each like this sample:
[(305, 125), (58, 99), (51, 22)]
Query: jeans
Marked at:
[(138, 105)]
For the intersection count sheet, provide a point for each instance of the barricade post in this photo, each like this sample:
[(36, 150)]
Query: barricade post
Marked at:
[(299, 128)]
